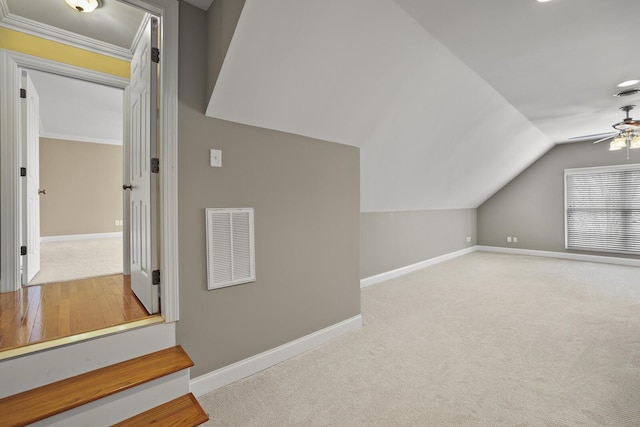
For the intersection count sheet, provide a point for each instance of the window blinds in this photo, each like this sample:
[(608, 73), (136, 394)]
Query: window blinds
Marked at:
[(603, 209)]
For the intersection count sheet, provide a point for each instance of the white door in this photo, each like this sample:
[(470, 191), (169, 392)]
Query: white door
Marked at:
[(143, 182), (30, 183)]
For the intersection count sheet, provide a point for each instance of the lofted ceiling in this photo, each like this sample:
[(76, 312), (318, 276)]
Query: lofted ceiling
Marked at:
[(447, 100), (557, 62)]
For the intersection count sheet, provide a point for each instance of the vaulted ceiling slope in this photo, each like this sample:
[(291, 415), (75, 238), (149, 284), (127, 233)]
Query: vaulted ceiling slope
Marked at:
[(557, 62), (433, 132)]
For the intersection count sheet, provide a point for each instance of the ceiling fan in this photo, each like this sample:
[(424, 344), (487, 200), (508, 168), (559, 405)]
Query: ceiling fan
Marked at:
[(627, 133)]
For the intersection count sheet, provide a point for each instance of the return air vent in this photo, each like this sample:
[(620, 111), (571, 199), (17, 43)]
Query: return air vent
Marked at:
[(230, 247)]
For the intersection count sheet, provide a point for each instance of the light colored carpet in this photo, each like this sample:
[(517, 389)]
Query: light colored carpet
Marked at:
[(78, 259), (482, 340)]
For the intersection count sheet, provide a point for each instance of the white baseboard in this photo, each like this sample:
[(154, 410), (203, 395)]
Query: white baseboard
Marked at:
[(398, 272), (563, 255), (71, 237), (212, 381)]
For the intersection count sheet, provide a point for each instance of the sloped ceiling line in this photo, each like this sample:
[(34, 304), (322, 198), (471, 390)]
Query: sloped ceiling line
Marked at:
[(364, 73)]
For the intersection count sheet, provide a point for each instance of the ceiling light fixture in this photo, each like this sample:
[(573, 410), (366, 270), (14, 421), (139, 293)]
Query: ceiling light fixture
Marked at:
[(627, 92), (618, 143), (543, 1), (84, 5), (627, 135), (628, 83)]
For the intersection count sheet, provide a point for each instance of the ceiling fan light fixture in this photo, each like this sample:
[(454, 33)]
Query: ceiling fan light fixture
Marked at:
[(635, 142), (627, 92), (628, 83), (84, 6), (618, 143)]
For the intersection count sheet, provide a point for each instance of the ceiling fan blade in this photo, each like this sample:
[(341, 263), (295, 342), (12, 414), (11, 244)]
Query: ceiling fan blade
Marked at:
[(592, 135), (604, 139)]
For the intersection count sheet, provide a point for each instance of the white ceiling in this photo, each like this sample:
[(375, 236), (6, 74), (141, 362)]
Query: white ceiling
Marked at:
[(113, 28), (557, 62), (73, 109), (448, 100), (77, 110)]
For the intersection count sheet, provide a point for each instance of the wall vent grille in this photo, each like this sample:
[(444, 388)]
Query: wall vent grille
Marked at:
[(230, 247)]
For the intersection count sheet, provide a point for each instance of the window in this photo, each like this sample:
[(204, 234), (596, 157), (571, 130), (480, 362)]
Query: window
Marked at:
[(602, 209)]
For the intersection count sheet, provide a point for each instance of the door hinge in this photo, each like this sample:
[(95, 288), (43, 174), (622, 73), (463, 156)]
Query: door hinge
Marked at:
[(23, 93), (23, 171), (155, 277), (155, 55), (23, 250), (155, 165)]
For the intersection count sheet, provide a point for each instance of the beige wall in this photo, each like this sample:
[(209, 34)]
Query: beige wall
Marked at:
[(531, 206), (306, 198), (390, 240), (84, 187)]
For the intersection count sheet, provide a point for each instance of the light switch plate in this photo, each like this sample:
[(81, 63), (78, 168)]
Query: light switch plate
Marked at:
[(216, 158)]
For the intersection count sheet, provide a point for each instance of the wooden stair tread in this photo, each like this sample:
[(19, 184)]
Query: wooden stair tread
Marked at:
[(185, 411), (51, 399)]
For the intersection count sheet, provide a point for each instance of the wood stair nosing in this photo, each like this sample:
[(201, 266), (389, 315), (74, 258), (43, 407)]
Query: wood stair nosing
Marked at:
[(60, 396), (185, 411)]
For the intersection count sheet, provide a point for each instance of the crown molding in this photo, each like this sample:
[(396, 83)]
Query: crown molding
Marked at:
[(48, 32)]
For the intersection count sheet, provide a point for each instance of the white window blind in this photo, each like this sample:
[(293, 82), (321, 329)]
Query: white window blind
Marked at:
[(602, 209)]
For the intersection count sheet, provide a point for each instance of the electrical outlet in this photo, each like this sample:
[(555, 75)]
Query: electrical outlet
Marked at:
[(117, 223), (468, 238), (509, 239), (515, 240)]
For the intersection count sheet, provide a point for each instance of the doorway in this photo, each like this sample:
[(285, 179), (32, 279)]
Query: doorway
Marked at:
[(10, 61), (81, 157)]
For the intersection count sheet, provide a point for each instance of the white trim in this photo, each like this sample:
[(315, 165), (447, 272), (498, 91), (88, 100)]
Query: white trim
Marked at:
[(398, 272), (219, 378), (563, 255), (169, 261), (77, 138), (48, 32), (9, 158), (11, 63), (167, 11), (74, 237), (40, 64)]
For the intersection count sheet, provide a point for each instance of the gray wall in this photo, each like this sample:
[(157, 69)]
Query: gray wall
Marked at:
[(84, 187), (306, 198), (390, 240), (531, 207)]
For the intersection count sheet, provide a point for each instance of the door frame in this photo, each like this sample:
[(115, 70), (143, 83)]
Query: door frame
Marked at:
[(10, 65)]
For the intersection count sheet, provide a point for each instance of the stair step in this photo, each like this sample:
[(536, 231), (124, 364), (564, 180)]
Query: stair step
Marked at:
[(52, 399), (185, 411)]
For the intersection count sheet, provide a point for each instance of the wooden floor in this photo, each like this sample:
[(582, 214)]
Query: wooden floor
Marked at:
[(56, 310)]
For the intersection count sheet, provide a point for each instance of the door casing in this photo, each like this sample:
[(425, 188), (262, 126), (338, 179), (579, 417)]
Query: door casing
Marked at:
[(11, 64)]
